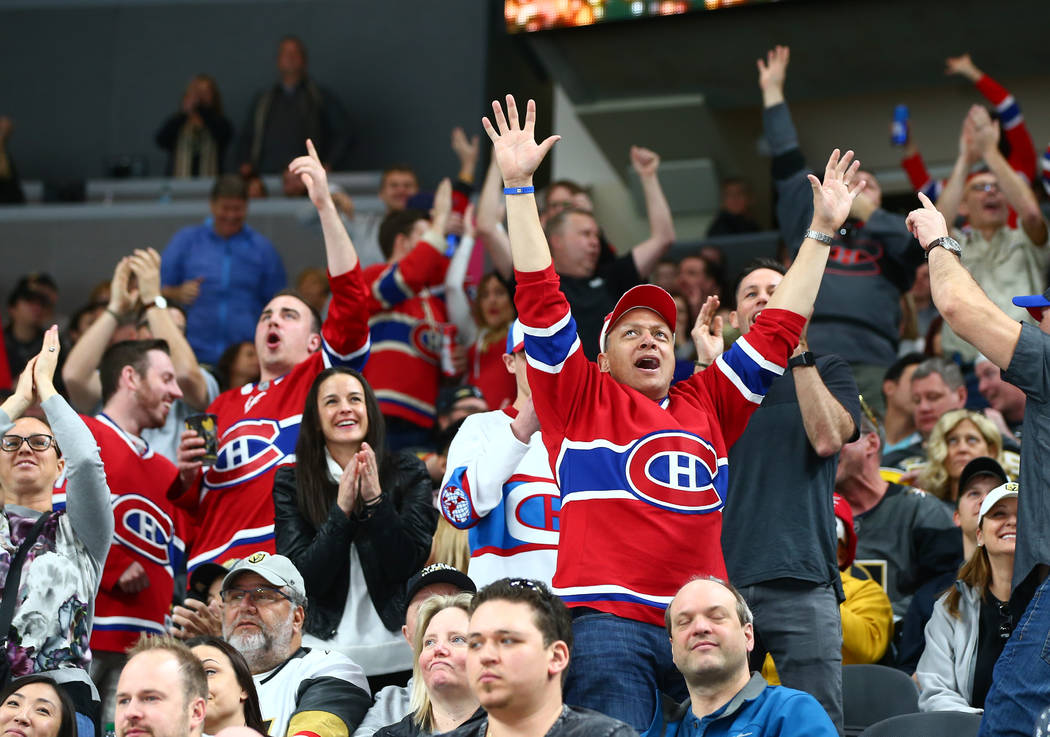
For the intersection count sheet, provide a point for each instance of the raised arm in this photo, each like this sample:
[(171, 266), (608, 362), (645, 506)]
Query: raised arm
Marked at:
[(339, 250), (969, 154), (661, 226), (466, 150), (1013, 186), (518, 156), (832, 200), (490, 219), (145, 265), (960, 300), (772, 73), (87, 495), (80, 371)]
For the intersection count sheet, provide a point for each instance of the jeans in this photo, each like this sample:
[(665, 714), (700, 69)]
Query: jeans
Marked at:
[(1021, 679), (619, 667), (798, 623)]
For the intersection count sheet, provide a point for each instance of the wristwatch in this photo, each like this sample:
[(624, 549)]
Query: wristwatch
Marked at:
[(159, 302), (802, 359), (947, 243)]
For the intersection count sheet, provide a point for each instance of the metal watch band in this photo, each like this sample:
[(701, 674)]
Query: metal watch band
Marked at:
[(818, 236)]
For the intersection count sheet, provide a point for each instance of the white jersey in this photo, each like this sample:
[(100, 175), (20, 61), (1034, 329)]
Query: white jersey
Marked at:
[(503, 491), (315, 693)]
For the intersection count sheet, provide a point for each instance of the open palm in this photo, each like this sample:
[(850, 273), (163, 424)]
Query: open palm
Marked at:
[(514, 146), (833, 198)]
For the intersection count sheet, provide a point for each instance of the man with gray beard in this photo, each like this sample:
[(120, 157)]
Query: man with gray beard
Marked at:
[(302, 692)]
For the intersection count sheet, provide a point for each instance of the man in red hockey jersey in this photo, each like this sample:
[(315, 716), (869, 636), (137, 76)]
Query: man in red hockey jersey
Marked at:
[(139, 384), (641, 467), (258, 424)]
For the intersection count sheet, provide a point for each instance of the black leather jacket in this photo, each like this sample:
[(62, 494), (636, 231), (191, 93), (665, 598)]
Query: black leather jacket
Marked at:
[(573, 722), (393, 543)]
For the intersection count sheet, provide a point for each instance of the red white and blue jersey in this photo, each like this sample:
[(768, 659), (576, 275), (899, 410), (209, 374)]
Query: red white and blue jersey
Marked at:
[(502, 490), (642, 482), (258, 426), (406, 319), (145, 531)]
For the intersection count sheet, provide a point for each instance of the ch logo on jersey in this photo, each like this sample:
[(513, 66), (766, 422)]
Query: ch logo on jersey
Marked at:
[(247, 449), (674, 470), (426, 341), (143, 526), (533, 507), (456, 504)]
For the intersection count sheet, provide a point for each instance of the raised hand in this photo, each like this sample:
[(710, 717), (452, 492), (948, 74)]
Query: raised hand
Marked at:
[(707, 332), (985, 130), (145, 264), (773, 72), (514, 146), (122, 296), (833, 198), (968, 150), (963, 66), (44, 365), (346, 494), (313, 175), (466, 149), (368, 474), (439, 214), (927, 223), (644, 161)]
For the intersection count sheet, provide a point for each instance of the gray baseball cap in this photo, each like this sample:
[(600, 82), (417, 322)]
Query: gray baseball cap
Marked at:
[(276, 569)]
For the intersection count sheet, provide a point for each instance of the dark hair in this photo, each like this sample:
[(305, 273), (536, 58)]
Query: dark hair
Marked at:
[(67, 726), (399, 222), (573, 187), (404, 168), (315, 316), (479, 318), (252, 712), (230, 185), (225, 363), (549, 614), (302, 50), (316, 492), (896, 370), (560, 218), (762, 262), (126, 353), (143, 320)]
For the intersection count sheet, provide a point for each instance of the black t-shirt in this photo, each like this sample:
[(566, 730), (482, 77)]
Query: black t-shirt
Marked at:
[(779, 518), (592, 299), (994, 628)]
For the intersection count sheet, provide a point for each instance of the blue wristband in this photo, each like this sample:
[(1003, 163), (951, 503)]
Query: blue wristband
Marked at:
[(518, 190)]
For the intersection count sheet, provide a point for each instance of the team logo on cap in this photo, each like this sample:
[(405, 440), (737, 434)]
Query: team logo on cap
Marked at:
[(256, 557), (674, 470)]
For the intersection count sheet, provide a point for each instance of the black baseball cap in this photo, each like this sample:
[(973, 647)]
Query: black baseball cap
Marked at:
[(982, 466), (438, 573), (448, 396)]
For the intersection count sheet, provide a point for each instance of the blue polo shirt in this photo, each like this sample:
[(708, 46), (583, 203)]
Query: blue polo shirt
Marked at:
[(241, 274)]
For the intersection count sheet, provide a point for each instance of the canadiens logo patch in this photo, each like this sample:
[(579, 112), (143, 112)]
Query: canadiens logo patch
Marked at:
[(426, 341), (249, 448), (143, 526), (674, 470), (455, 503)]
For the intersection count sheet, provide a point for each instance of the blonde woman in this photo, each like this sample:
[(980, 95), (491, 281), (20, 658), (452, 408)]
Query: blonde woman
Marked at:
[(441, 695), (957, 438)]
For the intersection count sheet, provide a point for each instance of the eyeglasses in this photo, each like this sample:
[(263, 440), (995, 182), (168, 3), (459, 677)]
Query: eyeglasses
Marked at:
[(986, 187), (39, 441), (869, 413), (262, 596)]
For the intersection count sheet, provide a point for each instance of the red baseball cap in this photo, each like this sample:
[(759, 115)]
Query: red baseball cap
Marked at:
[(643, 296)]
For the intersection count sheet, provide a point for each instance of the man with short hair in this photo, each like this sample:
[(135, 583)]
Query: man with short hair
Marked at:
[(258, 424), (397, 184), (138, 383), (712, 631), (734, 212), (904, 536), (518, 647), (937, 386), (285, 114), (455, 403), (222, 272), (393, 703), (641, 465), (498, 485), (311, 693), (163, 690), (791, 575), (898, 421), (1021, 681), (1005, 261), (24, 334)]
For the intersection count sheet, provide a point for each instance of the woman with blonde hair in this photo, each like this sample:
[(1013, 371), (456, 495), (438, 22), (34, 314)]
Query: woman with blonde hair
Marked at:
[(957, 438), (441, 696)]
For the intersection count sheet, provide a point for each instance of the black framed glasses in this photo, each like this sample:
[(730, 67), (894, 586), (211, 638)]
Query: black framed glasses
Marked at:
[(37, 441), (261, 595)]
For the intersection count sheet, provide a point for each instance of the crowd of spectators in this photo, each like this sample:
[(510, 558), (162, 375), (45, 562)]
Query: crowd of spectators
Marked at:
[(590, 489)]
